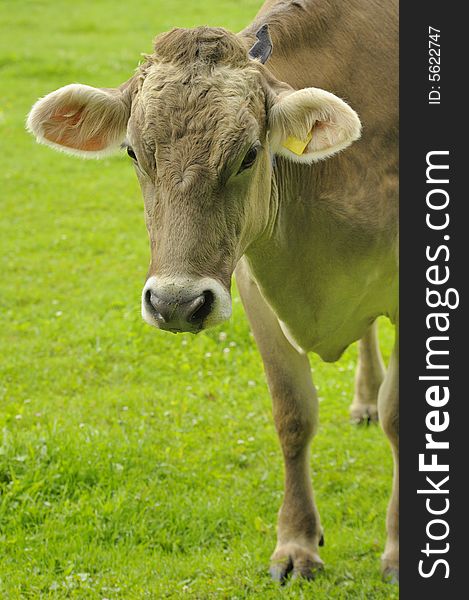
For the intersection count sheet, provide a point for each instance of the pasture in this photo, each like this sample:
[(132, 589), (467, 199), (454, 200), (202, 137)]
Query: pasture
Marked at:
[(134, 463)]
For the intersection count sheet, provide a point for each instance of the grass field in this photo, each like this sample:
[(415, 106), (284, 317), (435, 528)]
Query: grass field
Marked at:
[(137, 464)]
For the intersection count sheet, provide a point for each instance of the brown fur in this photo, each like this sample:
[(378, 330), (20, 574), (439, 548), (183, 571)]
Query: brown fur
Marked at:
[(191, 124)]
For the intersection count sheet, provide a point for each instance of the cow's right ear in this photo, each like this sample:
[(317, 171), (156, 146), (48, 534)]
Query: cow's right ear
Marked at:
[(81, 120)]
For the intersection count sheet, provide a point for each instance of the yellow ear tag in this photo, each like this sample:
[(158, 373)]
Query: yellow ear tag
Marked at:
[(296, 145)]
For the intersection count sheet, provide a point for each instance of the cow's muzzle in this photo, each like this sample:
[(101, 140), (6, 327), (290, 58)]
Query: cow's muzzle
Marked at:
[(179, 315), (184, 303)]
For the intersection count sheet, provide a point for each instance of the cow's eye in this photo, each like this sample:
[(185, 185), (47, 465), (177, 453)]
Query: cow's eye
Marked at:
[(131, 153), (249, 159)]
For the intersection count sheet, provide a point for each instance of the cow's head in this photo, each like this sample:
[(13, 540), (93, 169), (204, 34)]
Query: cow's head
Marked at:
[(201, 120)]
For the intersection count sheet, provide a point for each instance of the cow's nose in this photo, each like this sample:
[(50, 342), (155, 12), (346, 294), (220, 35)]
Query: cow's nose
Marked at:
[(180, 315)]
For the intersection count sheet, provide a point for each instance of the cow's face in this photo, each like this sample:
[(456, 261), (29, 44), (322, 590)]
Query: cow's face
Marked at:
[(197, 134), (202, 122)]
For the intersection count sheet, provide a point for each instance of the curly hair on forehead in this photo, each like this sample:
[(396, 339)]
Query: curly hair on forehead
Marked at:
[(207, 46)]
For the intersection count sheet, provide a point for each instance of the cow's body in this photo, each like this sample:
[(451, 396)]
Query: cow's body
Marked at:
[(314, 241), (337, 219), (330, 264)]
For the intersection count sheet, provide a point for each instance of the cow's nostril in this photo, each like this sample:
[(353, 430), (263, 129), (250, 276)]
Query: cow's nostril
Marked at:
[(153, 305), (148, 298), (202, 307)]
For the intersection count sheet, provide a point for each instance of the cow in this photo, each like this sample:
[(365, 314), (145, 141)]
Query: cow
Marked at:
[(240, 143)]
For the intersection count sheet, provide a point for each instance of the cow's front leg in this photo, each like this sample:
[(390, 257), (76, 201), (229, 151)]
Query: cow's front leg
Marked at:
[(295, 411), (368, 378), (388, 407)]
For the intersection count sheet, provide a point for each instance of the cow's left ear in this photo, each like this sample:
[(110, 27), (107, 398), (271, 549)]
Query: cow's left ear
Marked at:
[(82, 120), (311, 124)]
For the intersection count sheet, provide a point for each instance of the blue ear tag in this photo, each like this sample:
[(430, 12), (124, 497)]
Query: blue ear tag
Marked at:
[(262, 49)]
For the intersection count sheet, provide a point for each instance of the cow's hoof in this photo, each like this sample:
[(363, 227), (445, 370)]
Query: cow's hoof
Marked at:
[(295, 560), (391, 575), (390, 571), (363, 414)]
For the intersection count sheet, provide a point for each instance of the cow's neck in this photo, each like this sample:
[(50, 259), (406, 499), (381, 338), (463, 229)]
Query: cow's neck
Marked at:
[(325, 272)]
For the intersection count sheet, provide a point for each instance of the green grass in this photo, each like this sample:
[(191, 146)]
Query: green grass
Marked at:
[(137, 464)]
